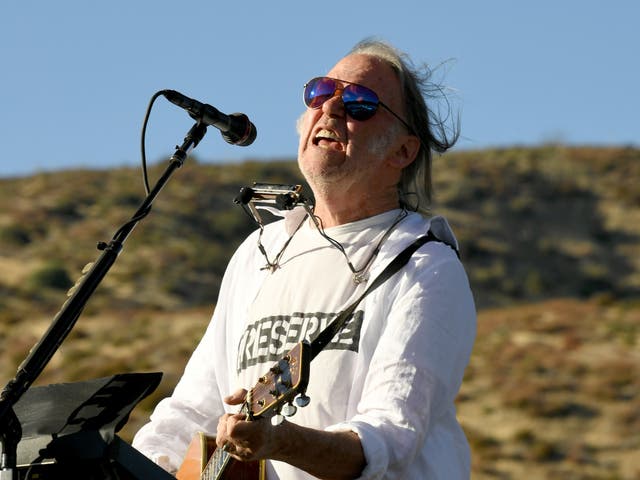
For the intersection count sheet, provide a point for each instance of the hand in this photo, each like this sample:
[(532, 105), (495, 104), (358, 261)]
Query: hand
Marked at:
[(336, 454), (242, 439)]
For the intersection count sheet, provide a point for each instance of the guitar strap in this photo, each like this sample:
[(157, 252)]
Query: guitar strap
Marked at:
[(325, 337)]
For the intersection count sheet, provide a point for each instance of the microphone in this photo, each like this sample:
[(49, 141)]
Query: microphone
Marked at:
[(236, 128)]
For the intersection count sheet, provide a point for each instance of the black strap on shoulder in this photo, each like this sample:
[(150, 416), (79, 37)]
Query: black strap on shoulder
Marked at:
[(324, 337)]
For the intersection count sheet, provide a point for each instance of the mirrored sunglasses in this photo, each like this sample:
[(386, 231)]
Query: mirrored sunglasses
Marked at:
[(360, 103)]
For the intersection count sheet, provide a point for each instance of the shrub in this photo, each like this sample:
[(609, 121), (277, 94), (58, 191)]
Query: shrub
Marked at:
[(15, 235), (51, 275)]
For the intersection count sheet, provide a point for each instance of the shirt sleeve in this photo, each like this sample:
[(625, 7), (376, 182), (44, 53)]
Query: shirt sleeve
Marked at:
[(196, 403), (426, 317), (194, 406)]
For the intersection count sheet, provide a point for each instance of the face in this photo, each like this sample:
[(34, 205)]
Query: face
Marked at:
[(335, 149)]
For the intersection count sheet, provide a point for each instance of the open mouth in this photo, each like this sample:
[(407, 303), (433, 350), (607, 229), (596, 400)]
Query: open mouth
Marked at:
[(326, 137)]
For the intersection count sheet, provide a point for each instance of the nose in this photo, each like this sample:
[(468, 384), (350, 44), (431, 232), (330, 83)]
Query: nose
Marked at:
[(334, 107)]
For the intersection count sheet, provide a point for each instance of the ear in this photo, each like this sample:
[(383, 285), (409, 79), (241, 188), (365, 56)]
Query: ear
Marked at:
[(406, 151)]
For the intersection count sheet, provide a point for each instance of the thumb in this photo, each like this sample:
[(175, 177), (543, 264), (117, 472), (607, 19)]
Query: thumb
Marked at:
[(236, 398)]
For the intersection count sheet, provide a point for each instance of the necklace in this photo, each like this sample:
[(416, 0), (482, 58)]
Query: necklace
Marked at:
[(359, 275), (273, 266)]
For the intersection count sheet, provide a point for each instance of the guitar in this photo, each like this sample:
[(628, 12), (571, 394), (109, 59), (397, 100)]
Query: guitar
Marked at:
[(271, 397)]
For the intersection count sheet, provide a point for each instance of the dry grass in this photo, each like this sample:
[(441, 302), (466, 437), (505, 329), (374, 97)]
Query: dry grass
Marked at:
[(552, 390), (113, 342)]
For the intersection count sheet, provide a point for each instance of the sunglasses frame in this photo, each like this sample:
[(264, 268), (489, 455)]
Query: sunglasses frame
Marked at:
[(341, 90)]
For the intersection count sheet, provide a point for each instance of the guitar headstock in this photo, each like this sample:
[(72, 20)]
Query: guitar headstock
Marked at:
[(284, 380)]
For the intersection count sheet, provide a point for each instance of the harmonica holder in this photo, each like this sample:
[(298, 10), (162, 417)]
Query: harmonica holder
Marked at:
[(282, 197)]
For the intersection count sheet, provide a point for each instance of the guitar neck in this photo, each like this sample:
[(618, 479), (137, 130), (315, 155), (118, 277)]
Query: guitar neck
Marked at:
[(216, 465), (220, 460)]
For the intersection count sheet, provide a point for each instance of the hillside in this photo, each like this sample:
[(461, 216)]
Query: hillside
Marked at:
[(550, 238)]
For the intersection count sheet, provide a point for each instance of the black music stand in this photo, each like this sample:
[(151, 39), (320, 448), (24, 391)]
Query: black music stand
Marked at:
[(69, 430)]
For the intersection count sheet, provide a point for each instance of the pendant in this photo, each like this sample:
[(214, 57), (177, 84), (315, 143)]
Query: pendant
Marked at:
[(272, 267), (359, 278)]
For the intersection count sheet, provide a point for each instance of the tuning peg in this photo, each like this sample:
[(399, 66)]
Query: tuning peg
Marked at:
[(277, 419), (288, 410), (302, 400)]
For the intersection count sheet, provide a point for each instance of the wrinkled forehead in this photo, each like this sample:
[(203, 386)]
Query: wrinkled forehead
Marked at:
[(373, 72)]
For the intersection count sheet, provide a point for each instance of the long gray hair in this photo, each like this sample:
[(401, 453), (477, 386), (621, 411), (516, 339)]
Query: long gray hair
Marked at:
[(415, 186)]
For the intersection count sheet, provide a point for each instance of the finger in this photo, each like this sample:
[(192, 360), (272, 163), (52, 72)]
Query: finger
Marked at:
[(236, 398), (227, 428), (222, 430)]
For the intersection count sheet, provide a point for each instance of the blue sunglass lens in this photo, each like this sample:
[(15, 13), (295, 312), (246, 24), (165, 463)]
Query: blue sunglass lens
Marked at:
[(360, 103), (318, 91)]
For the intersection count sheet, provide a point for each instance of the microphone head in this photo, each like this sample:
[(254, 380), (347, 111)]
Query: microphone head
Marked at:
[(241, 132)]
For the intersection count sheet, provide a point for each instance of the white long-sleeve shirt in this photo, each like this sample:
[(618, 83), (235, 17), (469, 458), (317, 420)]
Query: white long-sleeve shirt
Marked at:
[(391, 375)]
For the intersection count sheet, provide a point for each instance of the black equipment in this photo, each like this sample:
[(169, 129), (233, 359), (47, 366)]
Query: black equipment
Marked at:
[(236, 128), (69, 430)]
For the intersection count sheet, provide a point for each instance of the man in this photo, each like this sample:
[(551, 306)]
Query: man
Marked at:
[(382, 398)]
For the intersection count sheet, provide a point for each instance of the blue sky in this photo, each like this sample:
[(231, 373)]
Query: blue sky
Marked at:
[(77, 76)]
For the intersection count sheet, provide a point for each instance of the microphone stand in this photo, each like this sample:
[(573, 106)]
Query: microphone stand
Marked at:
[(65, 319)]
